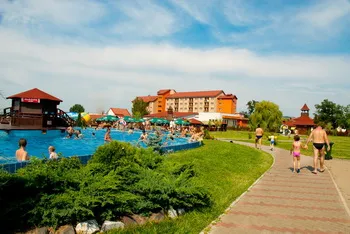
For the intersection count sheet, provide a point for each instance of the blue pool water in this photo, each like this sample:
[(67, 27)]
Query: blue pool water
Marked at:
[(38, 143)]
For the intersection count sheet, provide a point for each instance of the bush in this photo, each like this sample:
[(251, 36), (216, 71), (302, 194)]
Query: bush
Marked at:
[(250, 135), (207, 135), (119, 180)]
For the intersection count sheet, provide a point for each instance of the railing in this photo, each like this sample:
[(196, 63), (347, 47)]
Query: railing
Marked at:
[(63, 115)]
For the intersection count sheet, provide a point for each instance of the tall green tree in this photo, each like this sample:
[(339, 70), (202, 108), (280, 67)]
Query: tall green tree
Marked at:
[(77, 108), (267, 114), (139, 108), (251, 107), (330, 112), (80, 122)]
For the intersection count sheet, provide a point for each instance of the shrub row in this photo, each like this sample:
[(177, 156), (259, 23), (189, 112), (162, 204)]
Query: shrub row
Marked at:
[(119, 180)]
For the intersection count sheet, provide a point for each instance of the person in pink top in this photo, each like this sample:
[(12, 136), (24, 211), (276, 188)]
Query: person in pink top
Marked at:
[(295, 151)]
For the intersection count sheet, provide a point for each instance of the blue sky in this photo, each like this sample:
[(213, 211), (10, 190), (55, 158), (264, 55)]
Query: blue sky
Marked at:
[(103, 53)]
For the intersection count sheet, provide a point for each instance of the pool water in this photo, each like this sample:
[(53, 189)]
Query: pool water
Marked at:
[(38, 143)]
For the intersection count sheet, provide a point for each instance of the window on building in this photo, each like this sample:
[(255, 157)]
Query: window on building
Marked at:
[(212, 103)]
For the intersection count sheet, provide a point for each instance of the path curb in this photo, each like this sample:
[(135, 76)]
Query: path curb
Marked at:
[(207, 229)]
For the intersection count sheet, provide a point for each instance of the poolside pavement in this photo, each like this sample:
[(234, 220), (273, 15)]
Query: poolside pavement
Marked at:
[(286, 202)]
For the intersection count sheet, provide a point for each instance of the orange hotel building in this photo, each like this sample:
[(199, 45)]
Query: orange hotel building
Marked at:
[(195, 101)]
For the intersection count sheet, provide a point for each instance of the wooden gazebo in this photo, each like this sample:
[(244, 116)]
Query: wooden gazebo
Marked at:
[(35, 109), (303, 123)]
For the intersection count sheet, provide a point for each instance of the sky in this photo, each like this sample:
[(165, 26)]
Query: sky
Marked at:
[(103, 54)]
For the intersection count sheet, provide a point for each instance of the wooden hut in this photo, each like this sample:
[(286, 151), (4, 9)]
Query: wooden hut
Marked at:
[(35, 109)]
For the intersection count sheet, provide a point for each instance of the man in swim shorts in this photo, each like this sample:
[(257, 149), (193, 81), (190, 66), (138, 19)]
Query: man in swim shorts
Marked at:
[(319, 138), (258, 136)]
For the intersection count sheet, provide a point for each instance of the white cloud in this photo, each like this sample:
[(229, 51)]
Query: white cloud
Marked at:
[(146, 18), (115, 74), (201, 11), (63, 12), (325, 14)]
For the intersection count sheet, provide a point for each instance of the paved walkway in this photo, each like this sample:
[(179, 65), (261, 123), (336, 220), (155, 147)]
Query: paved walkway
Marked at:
[(286, 202)]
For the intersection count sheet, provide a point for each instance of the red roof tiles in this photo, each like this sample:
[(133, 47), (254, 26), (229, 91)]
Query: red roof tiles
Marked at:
[(35, 93), (228, 96), (195, 121), (305, 108), (301, 121), (120, 112), (163, 91), (148, 98), (96, 116), (213, 93)]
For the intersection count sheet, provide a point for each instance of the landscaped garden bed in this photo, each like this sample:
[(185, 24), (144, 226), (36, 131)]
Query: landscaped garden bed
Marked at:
[(130, 185)]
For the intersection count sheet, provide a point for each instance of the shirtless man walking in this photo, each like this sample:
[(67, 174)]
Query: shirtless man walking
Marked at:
[(258, 136), (319, 138)]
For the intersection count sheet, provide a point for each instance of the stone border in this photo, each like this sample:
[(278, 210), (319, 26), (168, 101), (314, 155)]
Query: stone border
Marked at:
[(207, 229), (339, 193)]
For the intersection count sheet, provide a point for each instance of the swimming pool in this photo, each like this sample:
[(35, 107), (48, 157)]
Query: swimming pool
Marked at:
[(38, 143)]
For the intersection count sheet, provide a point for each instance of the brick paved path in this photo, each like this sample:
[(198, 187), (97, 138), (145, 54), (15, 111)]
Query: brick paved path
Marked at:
[(286, 202)]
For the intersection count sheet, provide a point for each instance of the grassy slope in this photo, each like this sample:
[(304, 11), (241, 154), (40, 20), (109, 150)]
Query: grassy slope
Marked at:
[(339, 150), (226, 170)]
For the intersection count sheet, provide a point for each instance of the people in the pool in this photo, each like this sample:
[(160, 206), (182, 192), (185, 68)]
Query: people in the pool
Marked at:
[(78, 134), (21, 153), (52, 153), (70, 131), (108, 135)]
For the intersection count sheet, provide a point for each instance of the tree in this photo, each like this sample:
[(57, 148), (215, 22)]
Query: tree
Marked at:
[(217, 123), (77, 108), (251, 107), (139, 108), (329, 112), (267, 114)]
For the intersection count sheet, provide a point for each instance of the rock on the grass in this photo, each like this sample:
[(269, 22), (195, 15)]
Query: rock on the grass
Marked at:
[(172, 213), (88, 227), (128, 221), (42, 230), (157, 217), (180, 211), (109, 225), (67, 229), (139, 219)]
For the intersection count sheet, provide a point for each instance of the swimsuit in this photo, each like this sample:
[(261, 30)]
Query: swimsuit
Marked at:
[(258, 137), (318, 146), (296, 154)]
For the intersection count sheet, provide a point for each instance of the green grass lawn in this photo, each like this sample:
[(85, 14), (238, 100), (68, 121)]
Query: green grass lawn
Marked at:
[(340, 148), (226, 170)]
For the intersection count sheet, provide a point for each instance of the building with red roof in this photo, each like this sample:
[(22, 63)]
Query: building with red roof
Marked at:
[(194, 101), (120, 112), (157, 104), (302, 123), (35, 109)]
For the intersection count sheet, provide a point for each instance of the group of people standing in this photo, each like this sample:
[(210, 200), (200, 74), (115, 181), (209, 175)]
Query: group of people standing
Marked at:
[(320, 145)]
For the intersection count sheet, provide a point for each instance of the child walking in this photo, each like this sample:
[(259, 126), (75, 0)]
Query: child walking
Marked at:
[(295, 151), (272, 141)]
